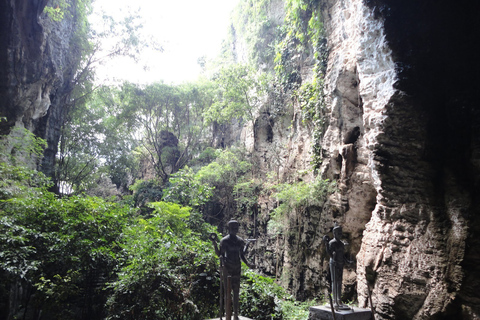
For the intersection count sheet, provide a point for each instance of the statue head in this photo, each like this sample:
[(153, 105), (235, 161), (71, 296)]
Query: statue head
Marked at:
[(337, 231), (233, 226)]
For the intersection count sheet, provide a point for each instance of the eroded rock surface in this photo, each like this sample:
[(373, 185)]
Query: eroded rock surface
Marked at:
[(413, 253), (403, 145), (38, 64)]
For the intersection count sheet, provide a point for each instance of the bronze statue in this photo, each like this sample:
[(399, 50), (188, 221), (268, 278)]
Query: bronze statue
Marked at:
[(232, 251), (336, 250)]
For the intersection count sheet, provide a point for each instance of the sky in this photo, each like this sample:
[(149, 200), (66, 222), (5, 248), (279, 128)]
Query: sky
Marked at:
[(186, 30)]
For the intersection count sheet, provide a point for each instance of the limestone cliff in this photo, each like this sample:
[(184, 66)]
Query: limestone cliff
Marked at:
[(403, 144), (418, 250), (38, 65)]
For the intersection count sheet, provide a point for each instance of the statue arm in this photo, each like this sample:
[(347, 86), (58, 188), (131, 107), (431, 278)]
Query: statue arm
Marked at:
[(242, 255), (214, 238), (250, 265), (326, 239), (347, 260)]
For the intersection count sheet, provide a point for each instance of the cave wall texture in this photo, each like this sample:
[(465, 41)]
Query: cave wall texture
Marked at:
[(402, 72), (403, 144), (37, 70)]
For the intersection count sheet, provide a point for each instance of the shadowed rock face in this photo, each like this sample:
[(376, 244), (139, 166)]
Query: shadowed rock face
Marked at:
[(418, 147), (403, 145), (37, 67), (21, 41)]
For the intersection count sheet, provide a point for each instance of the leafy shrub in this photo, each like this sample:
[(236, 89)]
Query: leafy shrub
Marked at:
[(298, 195), (261, 298), (185, 189), (167, 268), (21, 147), (296, 310), (19, 182), (61, 250), (145, 191), (226, 169)]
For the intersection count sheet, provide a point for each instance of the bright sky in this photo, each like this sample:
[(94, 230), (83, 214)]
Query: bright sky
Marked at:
[(186, 29)]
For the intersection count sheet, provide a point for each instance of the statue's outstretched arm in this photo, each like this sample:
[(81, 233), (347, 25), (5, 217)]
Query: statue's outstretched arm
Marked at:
[(250, 265), (214, 238), (244, 251)]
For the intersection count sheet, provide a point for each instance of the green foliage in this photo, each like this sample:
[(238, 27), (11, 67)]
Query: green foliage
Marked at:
[(19, 153), (252, 21), (145, 191), (171, 215), (167, 269), (65, 249), (312, 101), (262, 298), (206, 156), (56, 11), (81, 164), (303, 32), (313, 107), (239, 89), (223, 180), (171, 120), (56, 248), (246, 193), (303, 29), (96, 142), (226, 170), (296, 310), (296, 196), (21, 182), (230, 169), (21, 147), (186, 189)]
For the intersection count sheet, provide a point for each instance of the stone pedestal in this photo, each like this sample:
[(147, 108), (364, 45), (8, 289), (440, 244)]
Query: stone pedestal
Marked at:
[(239, 317), (325, 313)]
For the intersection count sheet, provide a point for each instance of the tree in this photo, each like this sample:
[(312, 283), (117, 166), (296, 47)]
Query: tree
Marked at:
[(167, 269), (228, 170), (98, 141), (81, 110), (170, 120), (185, 188), (238, 93), (56, 253)]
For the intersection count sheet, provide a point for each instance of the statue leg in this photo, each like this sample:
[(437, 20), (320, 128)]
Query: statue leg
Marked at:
[(334, 281), (339, 284), (236, 295), (228, 299), (338, 299)]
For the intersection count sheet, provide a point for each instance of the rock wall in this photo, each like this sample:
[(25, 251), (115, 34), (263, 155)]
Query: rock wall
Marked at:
[(38, 65), (403, 145), (394, 77)]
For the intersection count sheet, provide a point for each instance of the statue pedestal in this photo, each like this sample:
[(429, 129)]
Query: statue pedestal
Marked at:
[(325, 313), (239, 318)]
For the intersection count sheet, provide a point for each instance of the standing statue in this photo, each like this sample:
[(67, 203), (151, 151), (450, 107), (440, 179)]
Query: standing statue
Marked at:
[(232, 249), (336, 250)]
